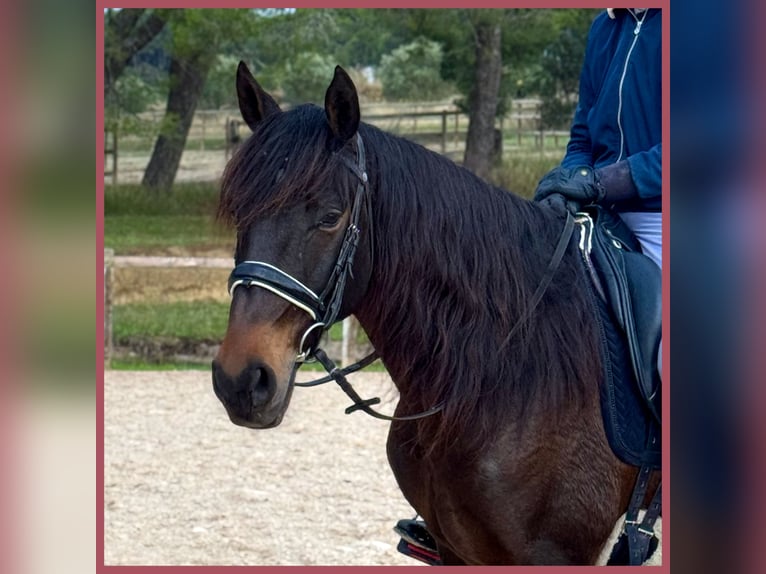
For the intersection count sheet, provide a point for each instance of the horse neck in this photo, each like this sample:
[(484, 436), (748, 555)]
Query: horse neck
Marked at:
[(455, 265), (445, 245)]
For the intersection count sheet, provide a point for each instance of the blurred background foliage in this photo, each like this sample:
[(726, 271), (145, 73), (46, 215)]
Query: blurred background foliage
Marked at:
[(184, 59), (163, 66)]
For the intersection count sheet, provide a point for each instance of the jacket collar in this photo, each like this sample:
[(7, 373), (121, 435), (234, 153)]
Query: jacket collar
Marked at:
[(636, 11)]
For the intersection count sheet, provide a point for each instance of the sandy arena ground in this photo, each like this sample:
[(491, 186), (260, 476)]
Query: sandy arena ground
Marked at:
[(185, 486)]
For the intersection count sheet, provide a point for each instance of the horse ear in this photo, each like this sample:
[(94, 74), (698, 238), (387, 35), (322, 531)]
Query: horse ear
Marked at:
[(254, 103), (341, 104)]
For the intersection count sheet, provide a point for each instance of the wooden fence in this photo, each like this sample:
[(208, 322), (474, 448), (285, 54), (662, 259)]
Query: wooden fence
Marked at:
[(112, 263), (110, 149), (441, 127)]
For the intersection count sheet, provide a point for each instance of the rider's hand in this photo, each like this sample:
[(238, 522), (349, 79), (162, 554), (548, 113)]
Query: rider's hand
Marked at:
[(583, 185), (560, 204), (579, 184)]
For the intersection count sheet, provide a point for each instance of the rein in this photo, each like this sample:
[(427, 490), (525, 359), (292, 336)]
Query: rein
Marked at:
[(545, 281)]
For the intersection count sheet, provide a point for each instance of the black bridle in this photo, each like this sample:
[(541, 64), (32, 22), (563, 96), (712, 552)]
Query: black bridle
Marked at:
[(324, 308)]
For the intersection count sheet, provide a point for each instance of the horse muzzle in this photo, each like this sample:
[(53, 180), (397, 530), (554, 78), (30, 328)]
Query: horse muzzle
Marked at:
[(252, 398)]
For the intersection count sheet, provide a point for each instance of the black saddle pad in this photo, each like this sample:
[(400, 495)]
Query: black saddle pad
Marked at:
[(631, 429), (630, 283)]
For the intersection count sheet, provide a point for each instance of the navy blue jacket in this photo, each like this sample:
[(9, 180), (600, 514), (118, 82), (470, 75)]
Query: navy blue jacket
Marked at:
[(619, 113)]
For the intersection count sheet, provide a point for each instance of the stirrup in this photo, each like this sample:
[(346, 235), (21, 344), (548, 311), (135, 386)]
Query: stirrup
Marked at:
[(416, 541), (418, 553)]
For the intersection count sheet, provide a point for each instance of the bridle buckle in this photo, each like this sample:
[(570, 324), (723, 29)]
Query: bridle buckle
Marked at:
[(307, 355)]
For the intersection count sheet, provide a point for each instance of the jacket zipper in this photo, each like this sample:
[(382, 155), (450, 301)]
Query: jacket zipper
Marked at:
[(636, 32)]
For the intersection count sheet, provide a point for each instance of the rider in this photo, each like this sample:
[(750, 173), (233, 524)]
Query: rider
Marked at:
[(614, 155)]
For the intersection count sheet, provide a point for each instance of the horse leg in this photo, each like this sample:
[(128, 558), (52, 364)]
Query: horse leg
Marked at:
[(412, 474), (407, 466)]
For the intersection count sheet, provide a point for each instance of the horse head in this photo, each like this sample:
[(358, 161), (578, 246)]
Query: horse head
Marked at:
[(297, 193)]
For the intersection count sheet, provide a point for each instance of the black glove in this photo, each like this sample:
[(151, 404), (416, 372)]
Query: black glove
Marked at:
[(560, 204), (610, 185), (579, 184), (617, 181)]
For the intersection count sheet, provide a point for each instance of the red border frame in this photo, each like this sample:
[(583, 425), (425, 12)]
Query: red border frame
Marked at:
[(102, 4)]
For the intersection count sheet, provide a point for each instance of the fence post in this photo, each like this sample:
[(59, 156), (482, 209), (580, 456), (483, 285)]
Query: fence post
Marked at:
[(502, 138), (111, 150), (444, 132), (457, 124), (114, 156), (226, 139), (344, 361), (202, 145), (108, 338)]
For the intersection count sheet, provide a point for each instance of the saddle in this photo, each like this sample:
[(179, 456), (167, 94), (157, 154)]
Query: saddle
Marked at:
[(626, 288), (629, 301)]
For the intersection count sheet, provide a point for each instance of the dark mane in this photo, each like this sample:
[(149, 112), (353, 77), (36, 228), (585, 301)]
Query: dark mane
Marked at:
[(467, 257), (456, 263), (284, 162)]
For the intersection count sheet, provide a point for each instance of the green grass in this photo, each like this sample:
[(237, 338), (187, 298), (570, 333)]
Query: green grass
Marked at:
[(139, 221), (183, 199), (144, 145), (148, 233), (521, 173), (529, 142), (201, 321), (138, 364)]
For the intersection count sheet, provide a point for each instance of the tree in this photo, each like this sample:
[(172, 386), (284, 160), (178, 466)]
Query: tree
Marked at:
[(413, 71), (126, 33), (197, 38), (306, 77), (218, 90), (558, 74), (481, 48), (282, 36), (480, 140), (289, 49)]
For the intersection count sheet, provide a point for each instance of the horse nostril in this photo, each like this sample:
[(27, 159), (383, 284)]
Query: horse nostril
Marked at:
[(262, 385), (253, 388)]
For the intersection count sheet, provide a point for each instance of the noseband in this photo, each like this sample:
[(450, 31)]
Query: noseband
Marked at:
[(323, 308)]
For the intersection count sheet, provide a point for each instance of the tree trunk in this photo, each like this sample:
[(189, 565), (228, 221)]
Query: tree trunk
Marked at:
[(127, 33), (187, 80), (484, 98)]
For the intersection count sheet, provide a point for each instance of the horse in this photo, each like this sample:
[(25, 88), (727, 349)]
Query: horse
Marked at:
[(497, 439)]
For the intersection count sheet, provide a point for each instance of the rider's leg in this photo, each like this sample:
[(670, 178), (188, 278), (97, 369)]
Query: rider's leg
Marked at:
[(647, 227)]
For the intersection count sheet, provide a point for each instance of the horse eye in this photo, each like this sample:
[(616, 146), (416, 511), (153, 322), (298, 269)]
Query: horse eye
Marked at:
[(330, 219)]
